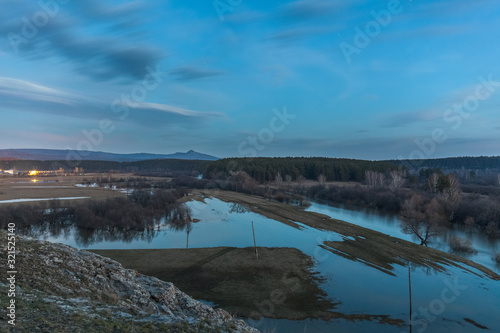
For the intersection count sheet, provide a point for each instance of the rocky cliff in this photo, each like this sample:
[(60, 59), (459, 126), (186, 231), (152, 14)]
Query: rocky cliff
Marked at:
[(60, 288)]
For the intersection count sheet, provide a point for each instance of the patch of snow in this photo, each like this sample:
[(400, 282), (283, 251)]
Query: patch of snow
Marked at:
[(44, 199), (87, 185)]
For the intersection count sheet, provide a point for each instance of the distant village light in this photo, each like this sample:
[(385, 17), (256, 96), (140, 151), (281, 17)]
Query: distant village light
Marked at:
[(33, 173)]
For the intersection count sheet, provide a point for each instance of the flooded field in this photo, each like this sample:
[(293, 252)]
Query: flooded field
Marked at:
[(372, 299), (30, 189), (485, 246)]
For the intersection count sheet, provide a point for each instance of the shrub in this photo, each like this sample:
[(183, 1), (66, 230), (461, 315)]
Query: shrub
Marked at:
[(461, 245), (496, 257)]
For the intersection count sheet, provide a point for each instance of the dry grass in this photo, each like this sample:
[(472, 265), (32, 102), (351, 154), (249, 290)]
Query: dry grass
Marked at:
[(234, 279), (53, 187), (279, 284)]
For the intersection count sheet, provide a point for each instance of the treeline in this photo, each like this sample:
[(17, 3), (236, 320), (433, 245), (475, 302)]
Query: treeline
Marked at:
[(161, 167), (264, 169), (380, 198), (267, 169), (442, 203), (454, 163), (241, 182)]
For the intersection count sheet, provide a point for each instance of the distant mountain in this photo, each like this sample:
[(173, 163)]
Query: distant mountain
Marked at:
[(85, 155)]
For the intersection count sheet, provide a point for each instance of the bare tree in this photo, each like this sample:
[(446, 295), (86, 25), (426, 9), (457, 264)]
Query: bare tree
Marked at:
[(469, 223), (452, 195), (396, 180), (374, 178), (370, 178), (322, 179), (492, 229), (432, 182), (278, 180), (420, 219), (242, 178)]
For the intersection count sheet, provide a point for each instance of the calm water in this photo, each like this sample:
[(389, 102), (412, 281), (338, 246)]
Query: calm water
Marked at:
[(390, 225), (359, 288)]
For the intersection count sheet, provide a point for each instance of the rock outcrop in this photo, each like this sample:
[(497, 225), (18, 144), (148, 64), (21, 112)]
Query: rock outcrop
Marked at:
[(77, 282)]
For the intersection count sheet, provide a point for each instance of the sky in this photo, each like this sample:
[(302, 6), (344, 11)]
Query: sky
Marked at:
[(238, 78)]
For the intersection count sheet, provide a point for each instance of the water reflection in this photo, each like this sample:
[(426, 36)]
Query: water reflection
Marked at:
[(236, 208), (390, 225), (357, 287), (85, 237)]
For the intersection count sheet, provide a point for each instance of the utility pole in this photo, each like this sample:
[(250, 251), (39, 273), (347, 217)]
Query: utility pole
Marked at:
[(409, 283), (254, 243)]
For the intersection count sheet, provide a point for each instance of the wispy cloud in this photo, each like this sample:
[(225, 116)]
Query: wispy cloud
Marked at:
[(193, 73), (176, 110), (300, 32), (309, 9), (404, 119), (16, 91), (19, 95)]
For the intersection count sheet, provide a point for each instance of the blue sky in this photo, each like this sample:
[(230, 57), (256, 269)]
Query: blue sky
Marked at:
[(357, 79)]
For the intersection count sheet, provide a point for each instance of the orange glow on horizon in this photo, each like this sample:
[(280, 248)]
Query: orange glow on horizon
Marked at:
[(33, 173)]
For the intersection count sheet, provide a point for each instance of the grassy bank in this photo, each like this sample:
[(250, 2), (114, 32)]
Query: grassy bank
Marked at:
[(235, 279), (279, 284)]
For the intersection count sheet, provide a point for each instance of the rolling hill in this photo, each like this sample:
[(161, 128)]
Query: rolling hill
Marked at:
[(83, 155)]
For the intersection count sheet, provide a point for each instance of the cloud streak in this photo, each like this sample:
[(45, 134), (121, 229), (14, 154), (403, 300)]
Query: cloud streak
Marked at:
[(98, 53), (193, 73), (15, 91), (302, 10), (19, 95)]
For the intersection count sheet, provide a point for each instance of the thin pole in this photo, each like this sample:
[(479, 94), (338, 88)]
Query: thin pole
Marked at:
[(409, 282), (254, 243)]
